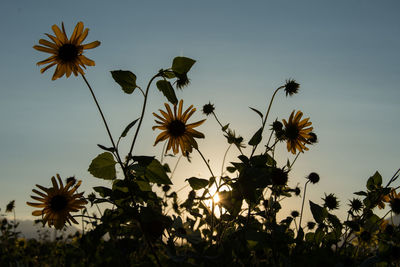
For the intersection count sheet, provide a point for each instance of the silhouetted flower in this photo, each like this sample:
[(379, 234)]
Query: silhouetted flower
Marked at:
[(310, 225), (10, 206), (296, 133), (277, 126), (313, 177), (313, 138), (355, 205), (57, 202), (182, 81), (67, 54), (294, 213), (71, 180), (208, 109), (291, 87), (279, 176), (233, 139), (331, 202), (176, 130)]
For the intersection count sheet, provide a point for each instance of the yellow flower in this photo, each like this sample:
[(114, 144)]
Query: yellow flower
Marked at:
[(388, 198), (66, 53), (57, 202), (296, 133), (176, 129)]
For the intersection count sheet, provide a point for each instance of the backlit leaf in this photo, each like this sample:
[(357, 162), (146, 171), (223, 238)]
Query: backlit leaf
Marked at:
[(103, 166), (126, 79)]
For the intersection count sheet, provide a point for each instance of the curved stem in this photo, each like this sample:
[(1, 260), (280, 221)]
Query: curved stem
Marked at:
[(266, 116), (302, 205), (141, 116), (205, 161), (105, 123)]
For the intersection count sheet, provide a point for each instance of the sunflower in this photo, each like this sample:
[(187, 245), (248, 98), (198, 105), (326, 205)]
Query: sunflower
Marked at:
[(66, 53), (57, 203), (296, 133), (176, 129)]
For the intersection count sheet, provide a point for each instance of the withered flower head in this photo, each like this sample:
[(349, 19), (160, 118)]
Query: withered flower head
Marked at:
[(356, 205), (291, 87), (313, 177), (208, 109), (331, 202), (182, 81)]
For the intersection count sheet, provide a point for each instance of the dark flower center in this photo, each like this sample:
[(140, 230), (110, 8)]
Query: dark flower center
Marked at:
[(292, 131), (58, 203), (68, 52), (176, 128)]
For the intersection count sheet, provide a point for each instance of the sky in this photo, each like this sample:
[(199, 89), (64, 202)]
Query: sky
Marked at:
[(344, 54)]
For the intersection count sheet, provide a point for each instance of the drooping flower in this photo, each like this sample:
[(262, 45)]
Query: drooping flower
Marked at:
[(291, 87), (58, 202), (67, 54), (296, 132), (176, 130)]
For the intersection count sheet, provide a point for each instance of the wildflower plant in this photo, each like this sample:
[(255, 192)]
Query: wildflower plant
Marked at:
[(226, 219)]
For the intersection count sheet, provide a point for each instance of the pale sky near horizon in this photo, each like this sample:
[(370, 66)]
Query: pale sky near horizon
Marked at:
[(345, 55)]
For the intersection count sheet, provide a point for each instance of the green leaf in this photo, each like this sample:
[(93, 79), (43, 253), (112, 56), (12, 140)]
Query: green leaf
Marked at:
[(318, 212), (126, 79), (182, 65), (120, 185), (374, 181), (103, 166), (225, 127), (143, 185), (103, 191), (166, 88), (197, 183), (109, 149), (156, 173), (256, 139), (257, 111), (127, 128)]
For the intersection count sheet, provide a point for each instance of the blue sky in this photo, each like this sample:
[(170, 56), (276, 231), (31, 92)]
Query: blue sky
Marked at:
[(343, 53)]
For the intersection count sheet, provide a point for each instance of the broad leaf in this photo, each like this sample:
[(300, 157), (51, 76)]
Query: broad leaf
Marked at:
[(197, 183), (318, 212), (182, 65), (166, 88), (126, 79), (256, 139), (103, 191), (103, 166), (156, 173)]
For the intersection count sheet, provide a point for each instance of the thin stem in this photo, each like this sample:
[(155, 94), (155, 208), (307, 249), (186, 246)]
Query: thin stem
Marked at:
[(205, 161), (141, 116), (162, 152), (302, 205), (154, 253), (393, 178), (176, 165), (266, 116), (291, 165), (223, 160), (105, 122)]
